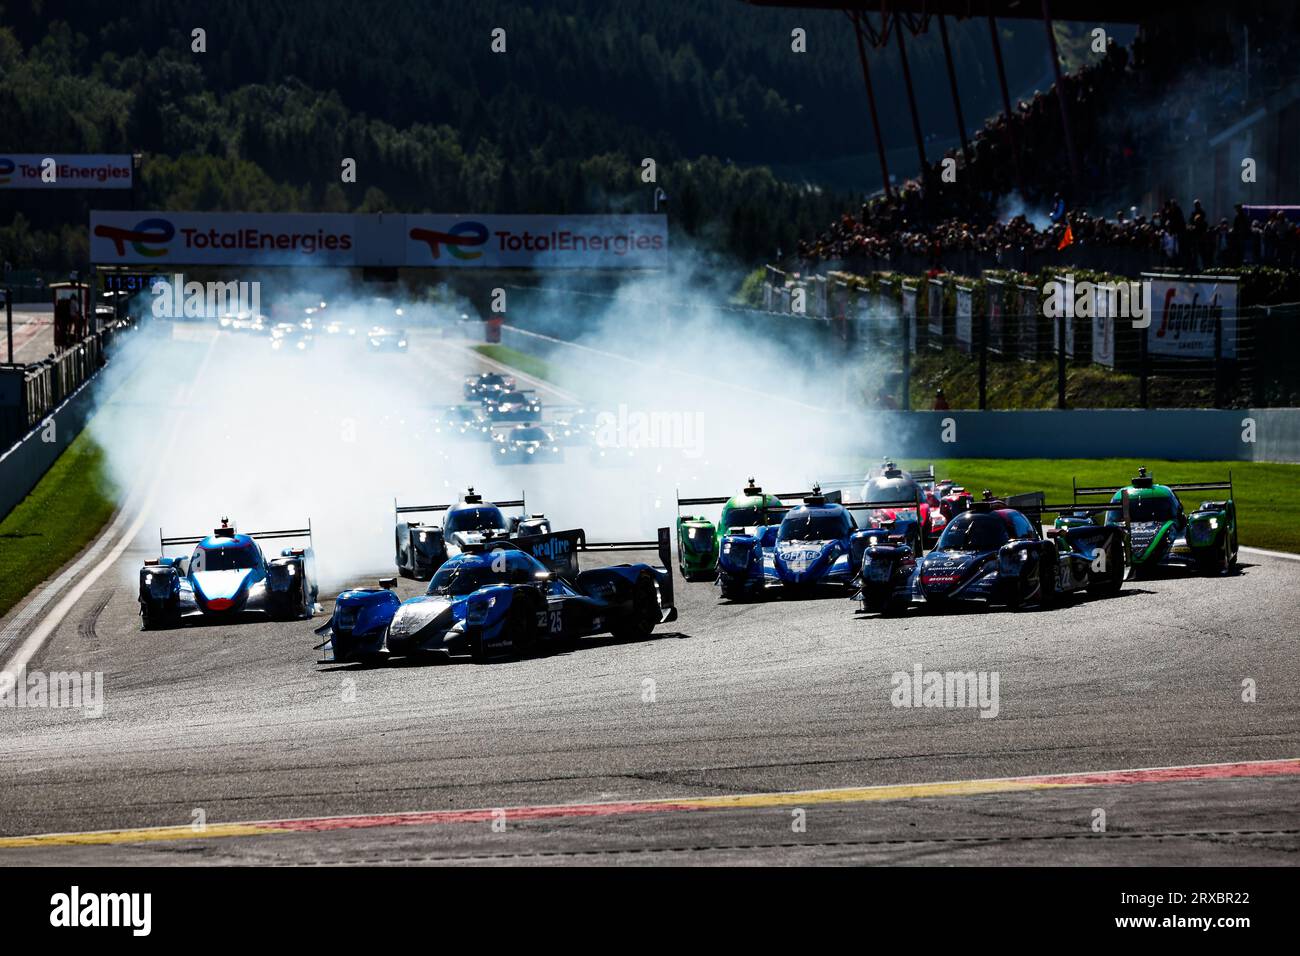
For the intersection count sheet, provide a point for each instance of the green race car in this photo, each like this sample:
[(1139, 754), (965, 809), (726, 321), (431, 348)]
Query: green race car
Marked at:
[(698, 538), (1162, 532)]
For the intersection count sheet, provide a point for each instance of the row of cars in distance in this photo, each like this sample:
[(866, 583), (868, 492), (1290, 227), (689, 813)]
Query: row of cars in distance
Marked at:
[(910, 539), (297, 328), (512, 419)]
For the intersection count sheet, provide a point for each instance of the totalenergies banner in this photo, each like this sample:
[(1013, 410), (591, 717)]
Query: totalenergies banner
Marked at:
[(538, 242), (312, 239), (63, 171), (225, 239), (1186, 312)]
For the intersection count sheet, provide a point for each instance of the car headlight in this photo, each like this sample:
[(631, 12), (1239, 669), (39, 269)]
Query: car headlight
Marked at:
[(148, 579), (424, 536), (1214, 523), (476, 612), (293, 569)]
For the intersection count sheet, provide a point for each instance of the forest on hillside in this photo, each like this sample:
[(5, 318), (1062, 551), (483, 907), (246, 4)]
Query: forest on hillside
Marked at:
[(438, 122)]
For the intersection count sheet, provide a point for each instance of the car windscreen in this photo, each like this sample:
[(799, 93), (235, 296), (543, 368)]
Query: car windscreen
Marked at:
[(810, 526), (1146, 508), (974, 532), (225, 559), (742, 518), (891, 489), (457, 578), (476, 519)]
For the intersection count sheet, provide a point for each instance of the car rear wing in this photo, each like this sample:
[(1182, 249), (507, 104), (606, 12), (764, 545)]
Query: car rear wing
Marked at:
[(559, 551), (418, 509), (722, 500), (164, 542), (1034, 505), (1081, 491)]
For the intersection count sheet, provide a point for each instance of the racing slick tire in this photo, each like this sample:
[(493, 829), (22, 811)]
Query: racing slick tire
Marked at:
[(155, 618), (1220, 561), (1109, 583), (1047, 570), (731, 590), (644, 614)]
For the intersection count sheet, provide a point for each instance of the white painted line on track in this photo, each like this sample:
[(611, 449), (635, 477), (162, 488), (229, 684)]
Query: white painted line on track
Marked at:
[(84, 578), (1285, 556)]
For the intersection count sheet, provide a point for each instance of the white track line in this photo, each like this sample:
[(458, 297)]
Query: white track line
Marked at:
[(27, 650), (1270, 554)]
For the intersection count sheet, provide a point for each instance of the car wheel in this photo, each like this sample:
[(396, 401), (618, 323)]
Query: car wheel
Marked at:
[(519, 628), (732, 590), (1109, 583), (644, 614), (1047, 595), (404, 572), (148, 617)]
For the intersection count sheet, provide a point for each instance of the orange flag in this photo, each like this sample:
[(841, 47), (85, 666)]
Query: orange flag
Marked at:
[(1066, 239)]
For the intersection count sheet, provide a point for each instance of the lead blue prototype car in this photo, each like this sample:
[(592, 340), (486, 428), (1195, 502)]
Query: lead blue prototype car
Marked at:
[(817, 543), (506, 596), (226, 576)]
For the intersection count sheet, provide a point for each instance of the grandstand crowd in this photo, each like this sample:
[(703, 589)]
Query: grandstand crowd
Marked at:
[(931, 218)]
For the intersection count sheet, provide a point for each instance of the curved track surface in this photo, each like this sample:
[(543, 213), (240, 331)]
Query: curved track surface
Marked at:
[(721, 715)]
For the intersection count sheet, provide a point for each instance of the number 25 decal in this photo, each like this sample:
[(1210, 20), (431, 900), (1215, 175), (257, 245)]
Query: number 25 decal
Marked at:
[(556, 625)]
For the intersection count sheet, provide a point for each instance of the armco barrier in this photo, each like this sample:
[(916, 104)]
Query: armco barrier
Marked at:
[(58, 392), (1188, 434), (1184, 433)]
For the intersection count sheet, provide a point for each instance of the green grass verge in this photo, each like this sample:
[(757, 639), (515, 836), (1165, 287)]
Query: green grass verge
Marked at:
[(528, 364), (1268, 516), (63, 513)]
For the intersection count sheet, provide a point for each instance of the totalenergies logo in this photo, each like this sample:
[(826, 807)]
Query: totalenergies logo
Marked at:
[(147, 232), (455, 239), (7, 168)]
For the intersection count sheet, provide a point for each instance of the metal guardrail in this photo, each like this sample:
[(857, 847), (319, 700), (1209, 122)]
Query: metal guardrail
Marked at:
[(30, 391)]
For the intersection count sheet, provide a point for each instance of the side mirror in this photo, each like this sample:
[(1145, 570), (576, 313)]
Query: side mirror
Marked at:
[(388, 584)]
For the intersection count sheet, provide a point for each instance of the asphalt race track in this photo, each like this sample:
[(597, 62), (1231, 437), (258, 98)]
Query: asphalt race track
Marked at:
[(696, 746)]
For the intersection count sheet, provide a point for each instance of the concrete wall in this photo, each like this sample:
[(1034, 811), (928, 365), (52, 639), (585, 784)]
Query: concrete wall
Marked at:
[(22, 466), (1191, 434)]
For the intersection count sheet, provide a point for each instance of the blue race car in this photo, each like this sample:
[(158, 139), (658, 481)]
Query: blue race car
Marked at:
[(995, 554), (817, 543), (506, 596), (226, 576)]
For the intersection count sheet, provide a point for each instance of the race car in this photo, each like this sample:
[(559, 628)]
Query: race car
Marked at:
[(487, 384), (699, 539), (381, 339), (526, 445), (462, 421), (504, 597), (290, 339), (895, 502), (422, 547), (1163, 532), (226, 576), (355, 631), (513, 406), (953, 499), (994, 553), (813, 546)]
